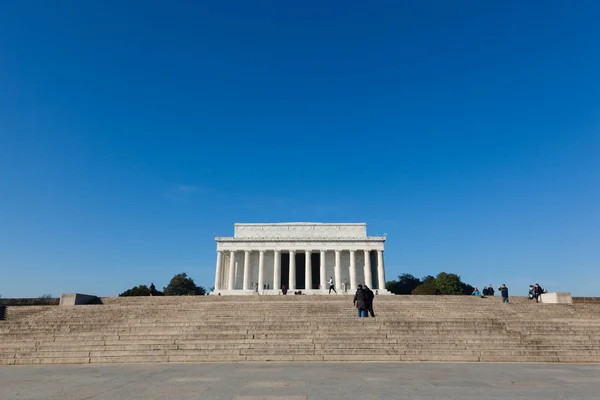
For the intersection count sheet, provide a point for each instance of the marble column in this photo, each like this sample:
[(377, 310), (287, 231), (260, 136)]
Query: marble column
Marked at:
[(219, 271), (261, 270), (292, 283), (322, 274), (380, 270), (246, 285), (231, 270), (277, 270), (368, 277), (338, 270), (353, 270), (307, 271)]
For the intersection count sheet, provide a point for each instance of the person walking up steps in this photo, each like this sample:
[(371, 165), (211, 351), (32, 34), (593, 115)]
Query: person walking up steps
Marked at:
[(331, 285), (361, 302), (370, 298)]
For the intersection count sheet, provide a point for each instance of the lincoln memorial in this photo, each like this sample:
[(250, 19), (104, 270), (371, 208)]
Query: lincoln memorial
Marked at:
[(263, 257)]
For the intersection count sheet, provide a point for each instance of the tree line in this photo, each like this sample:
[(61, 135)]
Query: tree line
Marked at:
[(180, 285), (442, 284)]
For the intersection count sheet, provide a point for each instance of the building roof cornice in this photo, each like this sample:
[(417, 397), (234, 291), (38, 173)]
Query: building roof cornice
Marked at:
[(303, 239)]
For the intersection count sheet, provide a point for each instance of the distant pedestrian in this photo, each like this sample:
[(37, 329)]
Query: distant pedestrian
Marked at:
[(331, 285), (361, 302), (284, 289), (152, 289), (531, 292), (490, 290), (504, 292), (537, 292), (476, 292), (485, 291), (370, 298)]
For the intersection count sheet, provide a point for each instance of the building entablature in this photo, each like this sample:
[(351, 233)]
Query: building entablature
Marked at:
[(300, 245)]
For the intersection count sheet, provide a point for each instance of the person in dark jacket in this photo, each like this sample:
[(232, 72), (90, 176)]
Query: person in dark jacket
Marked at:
[(361, 302), (537, 292), (490, 290), (370, 298), (504, 292)]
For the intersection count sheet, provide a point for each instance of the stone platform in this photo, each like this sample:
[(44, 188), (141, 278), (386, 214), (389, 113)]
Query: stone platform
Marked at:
[(424, 381)]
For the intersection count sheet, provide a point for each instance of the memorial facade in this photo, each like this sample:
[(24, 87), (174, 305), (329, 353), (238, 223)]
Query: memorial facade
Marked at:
[(303, 256)]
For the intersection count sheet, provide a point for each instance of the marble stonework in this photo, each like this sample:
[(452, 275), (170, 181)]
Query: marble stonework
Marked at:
[(262, 257)]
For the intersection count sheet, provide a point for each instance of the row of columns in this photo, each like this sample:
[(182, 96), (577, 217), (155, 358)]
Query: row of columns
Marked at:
[(292, 268)]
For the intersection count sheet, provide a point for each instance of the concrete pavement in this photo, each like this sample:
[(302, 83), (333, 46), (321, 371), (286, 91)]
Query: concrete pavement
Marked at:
[(296, 381)]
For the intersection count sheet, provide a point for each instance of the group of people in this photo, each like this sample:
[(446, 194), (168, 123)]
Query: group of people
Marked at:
[(284, 287), (535, 292), (363, 300), (489, 291)]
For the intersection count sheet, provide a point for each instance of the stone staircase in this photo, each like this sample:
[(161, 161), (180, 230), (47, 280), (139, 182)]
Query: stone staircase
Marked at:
[(300, 328)]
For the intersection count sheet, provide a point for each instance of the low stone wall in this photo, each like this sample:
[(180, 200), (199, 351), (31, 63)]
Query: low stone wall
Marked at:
[(557, 298), (29, 302), (586, 299)]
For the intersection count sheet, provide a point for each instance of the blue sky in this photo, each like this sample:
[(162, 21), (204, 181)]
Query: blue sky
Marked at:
[(468, 131)]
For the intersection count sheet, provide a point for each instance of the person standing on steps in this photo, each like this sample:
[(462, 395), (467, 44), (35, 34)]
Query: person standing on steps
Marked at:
[(370, 298), (490, 290), (537, 292), (152, 289), (331, 285), (504, 292), (361, 302)]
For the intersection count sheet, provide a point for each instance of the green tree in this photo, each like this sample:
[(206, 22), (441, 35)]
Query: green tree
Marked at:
[(429, 279), (141, 290), (181, 285), (449, 284), (405, 284), (425, 289), (46, 296)]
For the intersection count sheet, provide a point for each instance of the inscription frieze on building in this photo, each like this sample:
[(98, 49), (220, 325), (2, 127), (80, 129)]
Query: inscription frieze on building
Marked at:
[(300, 230)]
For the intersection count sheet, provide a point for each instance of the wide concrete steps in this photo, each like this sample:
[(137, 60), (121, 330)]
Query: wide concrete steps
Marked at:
[(301, 328)]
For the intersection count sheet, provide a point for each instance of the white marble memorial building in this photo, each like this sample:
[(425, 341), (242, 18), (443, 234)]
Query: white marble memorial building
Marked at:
[(301, 255)]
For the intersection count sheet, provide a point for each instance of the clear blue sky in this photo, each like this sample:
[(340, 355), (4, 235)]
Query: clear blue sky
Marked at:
[(469, 132)]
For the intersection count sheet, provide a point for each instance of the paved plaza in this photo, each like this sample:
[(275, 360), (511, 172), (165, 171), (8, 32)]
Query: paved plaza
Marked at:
[(301, 381)]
